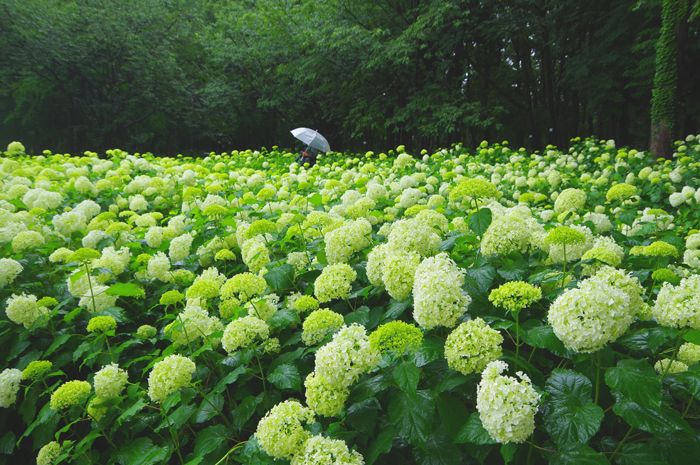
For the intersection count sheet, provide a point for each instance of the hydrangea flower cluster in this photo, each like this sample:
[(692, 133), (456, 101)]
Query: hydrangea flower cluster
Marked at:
[(110, 381), (396, 337), (24, 310), (471, 346), (334, 282), (243, 332), (506, 405), (69, 394), (10, 379), (679, 306), (515, 295), (437, 293), (168, 376), (319, 325)]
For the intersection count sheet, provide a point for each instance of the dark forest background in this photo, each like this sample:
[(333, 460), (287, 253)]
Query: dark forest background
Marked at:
[(175, 76)]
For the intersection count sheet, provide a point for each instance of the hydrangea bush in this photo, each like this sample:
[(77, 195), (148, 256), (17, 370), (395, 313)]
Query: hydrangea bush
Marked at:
[(464, 306)]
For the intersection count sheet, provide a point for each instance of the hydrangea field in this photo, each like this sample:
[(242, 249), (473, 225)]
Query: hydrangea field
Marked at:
[(469, 306)]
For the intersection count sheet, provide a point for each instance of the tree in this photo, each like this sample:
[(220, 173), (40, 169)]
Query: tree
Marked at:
[(664, 92)]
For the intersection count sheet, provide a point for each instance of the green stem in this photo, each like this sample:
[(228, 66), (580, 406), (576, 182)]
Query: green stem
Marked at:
[(597, 377), (619, 444), (109, 348), (262, 374), (687, 407), (517, 336), (230, 451), (92, 294)]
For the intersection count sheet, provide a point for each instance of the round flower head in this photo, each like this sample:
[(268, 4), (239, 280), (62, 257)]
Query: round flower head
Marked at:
[(348, 356), (679, 306), (620, 192), (689, 353), (567, 244), (27, 240), (471, 190), (515, 295), (102, 324), (320, 450), (343, 242), (159, 268), (180, 248), (319, 325), (207, 285), (588, 318), (97, 299), (471, 346), (334, 282), (168, 376), (628, 284), (438, 298), (9, 270), (655, 249), (9, 386), (24, 310), (281, 431), (398, 272), (243, 332), (171, 297), (324, 398), (110, 381), (49, 454), (414, 235), (243, 286), (565, 236), (303, 303), (375, 264), (505, 235), (146, 331), (255, 254), (98, 407), (667, 366), (36, 370), (192, 324), (69, 394), (666, 275), (225, 255), (84, 255), (506, 405), (396, 337), (570, 200)]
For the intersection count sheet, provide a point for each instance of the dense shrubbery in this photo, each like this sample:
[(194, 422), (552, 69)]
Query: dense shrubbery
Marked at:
[(463, 307)]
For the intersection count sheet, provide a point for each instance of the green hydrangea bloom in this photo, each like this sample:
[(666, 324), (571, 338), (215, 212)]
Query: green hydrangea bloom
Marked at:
[(324, 398), (102, 324), (471, 346), (304, 303), (48, 454), (69, 394), (146, 331), (36, 369), (243, 332), (397, 337), (168, 376), (665, 275), (319, 325), (281, 431), (515, 295), (171, 297), (565, 235), (620, 192), (655, 249)]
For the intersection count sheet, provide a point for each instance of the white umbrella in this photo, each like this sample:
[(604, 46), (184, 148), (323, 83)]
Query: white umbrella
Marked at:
[(312, 138)]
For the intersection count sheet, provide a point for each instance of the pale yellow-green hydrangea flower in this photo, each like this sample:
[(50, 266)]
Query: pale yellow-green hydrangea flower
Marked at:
[(169, 376)]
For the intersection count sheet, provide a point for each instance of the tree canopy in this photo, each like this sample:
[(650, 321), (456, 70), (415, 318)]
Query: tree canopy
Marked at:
[(198, 75)]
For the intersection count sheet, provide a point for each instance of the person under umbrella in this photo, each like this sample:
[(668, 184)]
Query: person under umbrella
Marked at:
[(315, 143)]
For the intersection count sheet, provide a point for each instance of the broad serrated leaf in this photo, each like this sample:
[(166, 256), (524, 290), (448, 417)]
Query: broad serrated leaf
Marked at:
[(209, 439), (407, 375), (473, 432), (285, 376), (280, 278), (570, 415), (126, 290), (480, 221), (579, 456), (412, 415), (657, 420), (210, 407), (141, 451), (381, 445), (637, 381)]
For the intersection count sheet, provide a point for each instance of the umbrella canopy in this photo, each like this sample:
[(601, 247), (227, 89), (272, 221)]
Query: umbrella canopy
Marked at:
[(312, 138)]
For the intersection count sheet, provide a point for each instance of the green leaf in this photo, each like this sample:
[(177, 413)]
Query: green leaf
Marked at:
[(210, 407), (635, 454), (285, 376), (543, 337), (228, 379), (478, 281), (407, 375), (126, 290), (396, 309), (141, 451), (283, 319), (431, 350), (513, 267), (637, 381), (580, 456), (359, 316), (412, 415), (473, 432), (245, 410), (480, 221), (7, 443), (661, 419), (135, 408), (381, 445), (452, 410), (570, 415), (508, 452), (647, 340), (280, 278), (691, 380), (692, 335), (209, 439)]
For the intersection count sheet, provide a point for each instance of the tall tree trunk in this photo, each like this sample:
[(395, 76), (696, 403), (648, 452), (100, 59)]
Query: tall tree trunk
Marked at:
[(663, 94)]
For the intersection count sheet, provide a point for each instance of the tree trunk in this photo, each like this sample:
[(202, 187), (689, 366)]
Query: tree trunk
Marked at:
[(663, 95)]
